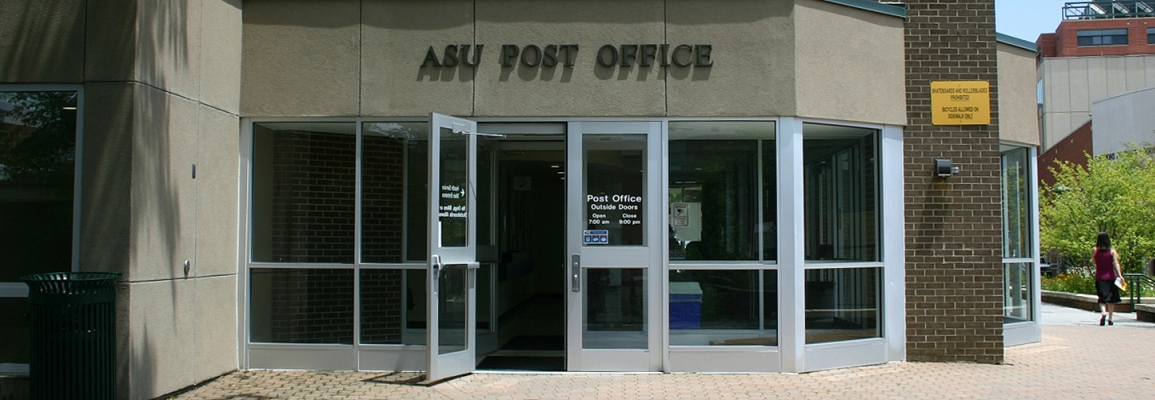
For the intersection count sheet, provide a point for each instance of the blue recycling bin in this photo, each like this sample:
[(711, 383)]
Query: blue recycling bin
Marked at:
[(685, 305)]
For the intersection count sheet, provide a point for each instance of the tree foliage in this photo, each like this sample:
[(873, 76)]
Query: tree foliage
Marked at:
[(38, 137), (1115, 194)]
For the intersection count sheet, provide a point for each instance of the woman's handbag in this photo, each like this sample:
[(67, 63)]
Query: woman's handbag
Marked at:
[(1121, 283)]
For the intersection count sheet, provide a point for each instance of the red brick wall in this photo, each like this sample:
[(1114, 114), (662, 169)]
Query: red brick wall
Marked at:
[(953, 225), (1073, 148), (1067, 44), (314, 184)]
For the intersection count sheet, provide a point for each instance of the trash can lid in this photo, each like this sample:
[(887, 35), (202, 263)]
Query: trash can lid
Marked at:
[(685, 288), (70, 282)]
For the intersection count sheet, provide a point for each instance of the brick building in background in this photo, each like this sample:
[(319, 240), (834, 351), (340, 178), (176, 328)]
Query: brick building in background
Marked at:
[(1101, 55)]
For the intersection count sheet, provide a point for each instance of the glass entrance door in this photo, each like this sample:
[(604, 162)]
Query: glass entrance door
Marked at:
[(451, 304), (613, 241)]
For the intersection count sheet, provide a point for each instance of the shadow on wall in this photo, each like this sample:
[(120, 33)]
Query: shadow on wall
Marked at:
[(47, 35)]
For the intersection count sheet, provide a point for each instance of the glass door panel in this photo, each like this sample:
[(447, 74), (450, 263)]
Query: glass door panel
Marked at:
[(450, 306), (614, 231)]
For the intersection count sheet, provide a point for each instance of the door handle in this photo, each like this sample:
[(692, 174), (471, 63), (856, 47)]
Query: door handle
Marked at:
[(435, 269), (575, 269)]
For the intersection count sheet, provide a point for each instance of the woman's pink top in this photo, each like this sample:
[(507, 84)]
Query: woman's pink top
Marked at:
[(1104, 265)]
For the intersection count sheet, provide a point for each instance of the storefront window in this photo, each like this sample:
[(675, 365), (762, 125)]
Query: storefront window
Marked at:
[(723, 308), (37, 179), (841, 193), (1017, 295), (722, 191), (301, 305), (394, 176), (1016, 204), (303, 192), (842, 304), (1017, 233)]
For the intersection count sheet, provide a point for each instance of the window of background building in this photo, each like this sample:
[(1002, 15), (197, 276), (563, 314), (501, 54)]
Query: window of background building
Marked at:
[(722, 233), (38, 131), (1102, 37), (1150, 35), (1017, 233), (841, 202)]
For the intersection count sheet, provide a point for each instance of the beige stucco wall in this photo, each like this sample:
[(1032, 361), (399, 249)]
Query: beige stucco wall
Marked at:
[(1071, 84), (398, 34), (41, 41), (156, 103), (586, 89), (301, 58), (350, 58), (850, 64), (1018, 112), (754, 67)]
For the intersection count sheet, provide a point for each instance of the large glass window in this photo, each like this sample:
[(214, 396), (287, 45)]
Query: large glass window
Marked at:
[(1017, 294), (304, 183), (723, 307), (304, 211), (1018, 229), (723, 197), (301, 305), (723, 212), (394, 176), (843, 304), (1016, 204), (840, 172), (37, 179), (1102, 37)]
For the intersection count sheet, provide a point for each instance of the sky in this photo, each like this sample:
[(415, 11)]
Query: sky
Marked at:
[(1026, 19)]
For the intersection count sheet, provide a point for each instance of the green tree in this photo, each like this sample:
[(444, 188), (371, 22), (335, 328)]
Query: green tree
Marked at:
[(1115, 194)]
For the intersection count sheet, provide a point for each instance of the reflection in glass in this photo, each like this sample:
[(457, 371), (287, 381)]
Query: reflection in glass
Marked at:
[(15, 331), (842, 304), (723, 307), (715, 193), (394, 191), (452, 308), (840, 170), (1017, 295), (303, 188), (614, 185), (615, 309), (301, 305), (1016, 204), (37, 171), (417, 290), (453, 212)]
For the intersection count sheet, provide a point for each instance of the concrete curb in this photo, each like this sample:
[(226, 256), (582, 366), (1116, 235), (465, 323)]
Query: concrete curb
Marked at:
[(1144, 309)]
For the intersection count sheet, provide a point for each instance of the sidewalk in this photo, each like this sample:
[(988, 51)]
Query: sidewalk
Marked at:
[(1076, 359)]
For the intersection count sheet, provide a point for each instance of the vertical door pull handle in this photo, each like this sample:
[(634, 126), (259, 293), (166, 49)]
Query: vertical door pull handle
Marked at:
[(575, 269)]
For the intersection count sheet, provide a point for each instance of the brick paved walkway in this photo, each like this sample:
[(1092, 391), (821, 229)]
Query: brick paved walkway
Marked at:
[(1071, 362)]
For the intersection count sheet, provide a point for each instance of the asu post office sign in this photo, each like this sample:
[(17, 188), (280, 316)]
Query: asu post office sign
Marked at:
[(960, 103)]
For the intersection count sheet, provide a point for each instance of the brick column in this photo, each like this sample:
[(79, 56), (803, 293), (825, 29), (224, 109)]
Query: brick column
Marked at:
[(953, 225)]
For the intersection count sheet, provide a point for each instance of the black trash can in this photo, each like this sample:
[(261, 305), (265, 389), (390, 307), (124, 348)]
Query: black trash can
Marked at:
[(73, 335)]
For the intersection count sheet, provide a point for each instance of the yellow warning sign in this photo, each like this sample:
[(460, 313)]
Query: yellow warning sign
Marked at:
[(960, 103)]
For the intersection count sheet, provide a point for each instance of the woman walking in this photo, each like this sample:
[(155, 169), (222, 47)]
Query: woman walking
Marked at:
[(1106, 270)]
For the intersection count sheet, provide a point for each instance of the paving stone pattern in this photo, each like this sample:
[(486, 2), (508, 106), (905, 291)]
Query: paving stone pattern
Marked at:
[(1072, 362)]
